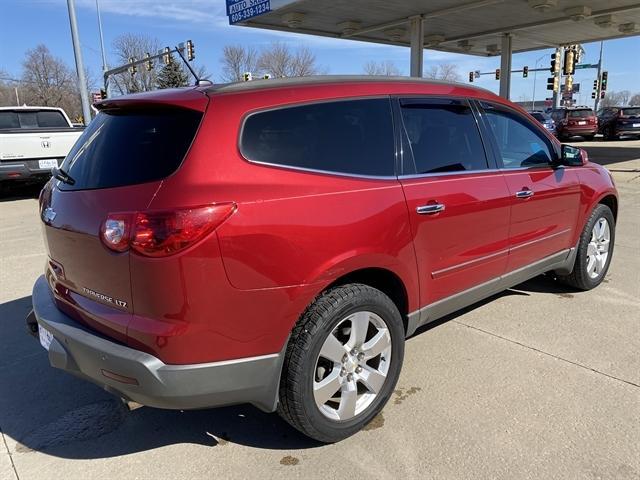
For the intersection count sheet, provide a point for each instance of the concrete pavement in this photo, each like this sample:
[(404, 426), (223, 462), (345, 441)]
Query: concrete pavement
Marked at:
[(537, 382)]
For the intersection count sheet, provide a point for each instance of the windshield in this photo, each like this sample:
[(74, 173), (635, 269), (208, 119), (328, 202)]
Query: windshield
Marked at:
[(127, 147), (580, 113), (541, 117)]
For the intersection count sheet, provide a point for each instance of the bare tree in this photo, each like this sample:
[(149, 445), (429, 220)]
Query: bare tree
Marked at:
[(447, 72), (237, 60), (280, 61), (385, 68), (618, 99), (48, 81), (7, 90), (624, 96), (635, 99), (132, 45)]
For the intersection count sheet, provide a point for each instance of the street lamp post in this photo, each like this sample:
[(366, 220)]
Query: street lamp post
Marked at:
[(535, 74), (82, 81)]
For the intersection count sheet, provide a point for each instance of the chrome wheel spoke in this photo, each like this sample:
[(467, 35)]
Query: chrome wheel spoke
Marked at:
[(348, 401), (359, 327), (372, 379), (344, 383), (600, 261), (378, 344), (598, 248), (326, 389), (332, 349)]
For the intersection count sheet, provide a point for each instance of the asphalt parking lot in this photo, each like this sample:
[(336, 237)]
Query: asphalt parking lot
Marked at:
[(537, 382)]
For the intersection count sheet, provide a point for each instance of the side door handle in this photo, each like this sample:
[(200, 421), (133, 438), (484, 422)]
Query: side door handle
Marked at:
[(526, 193), (430, 209)]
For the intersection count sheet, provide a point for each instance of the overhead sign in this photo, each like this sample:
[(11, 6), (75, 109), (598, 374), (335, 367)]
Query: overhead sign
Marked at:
[(586, 65), (241, 10)]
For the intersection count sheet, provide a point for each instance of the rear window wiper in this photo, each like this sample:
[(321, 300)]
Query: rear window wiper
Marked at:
[(63, 176)]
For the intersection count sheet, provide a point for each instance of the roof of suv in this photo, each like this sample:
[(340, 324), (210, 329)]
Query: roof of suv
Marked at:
[(327, 80)]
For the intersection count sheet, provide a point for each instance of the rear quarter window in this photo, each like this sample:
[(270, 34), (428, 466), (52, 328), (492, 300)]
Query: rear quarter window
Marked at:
[(580, 113), (353, 137)]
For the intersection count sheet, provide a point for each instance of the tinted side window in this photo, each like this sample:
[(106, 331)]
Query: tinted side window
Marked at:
[(444, 136), (51, 119), (353, 137), (519, 144), (9, 120)]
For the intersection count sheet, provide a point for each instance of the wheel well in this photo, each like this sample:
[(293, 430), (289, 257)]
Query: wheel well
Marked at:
[(384, 280), (612, 202)]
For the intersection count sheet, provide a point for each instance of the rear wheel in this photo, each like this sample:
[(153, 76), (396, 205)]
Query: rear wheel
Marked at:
[(594, 250), (609, 134), (588, 138), (342, 362)]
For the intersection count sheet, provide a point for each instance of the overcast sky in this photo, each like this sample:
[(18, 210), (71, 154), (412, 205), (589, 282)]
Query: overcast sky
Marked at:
[(27, 23)]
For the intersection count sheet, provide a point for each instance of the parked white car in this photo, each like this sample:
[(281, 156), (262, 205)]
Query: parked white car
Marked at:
[(33, 140)]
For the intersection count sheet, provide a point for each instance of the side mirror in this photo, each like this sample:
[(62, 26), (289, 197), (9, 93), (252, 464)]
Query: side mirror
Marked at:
[(573, 156)]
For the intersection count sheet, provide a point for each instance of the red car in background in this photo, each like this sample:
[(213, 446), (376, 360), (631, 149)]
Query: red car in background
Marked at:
[(274, 242), (575, 122)]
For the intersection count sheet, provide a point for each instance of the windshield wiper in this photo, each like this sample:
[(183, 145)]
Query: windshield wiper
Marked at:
[(63, 176)]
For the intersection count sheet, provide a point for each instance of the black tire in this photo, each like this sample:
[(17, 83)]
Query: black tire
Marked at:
[(579, 278), (609, 134), (297, 404), (588, 138)]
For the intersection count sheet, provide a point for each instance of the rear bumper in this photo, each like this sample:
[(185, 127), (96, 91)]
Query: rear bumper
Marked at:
[(627, 131), (577, 131), (23, 170), (85, 354)]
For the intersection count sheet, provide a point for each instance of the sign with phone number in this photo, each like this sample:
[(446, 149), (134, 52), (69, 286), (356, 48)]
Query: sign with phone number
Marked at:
[(241, 10)]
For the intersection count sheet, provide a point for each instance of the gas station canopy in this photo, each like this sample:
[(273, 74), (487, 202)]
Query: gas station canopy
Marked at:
[(472, 27), (475, 27)]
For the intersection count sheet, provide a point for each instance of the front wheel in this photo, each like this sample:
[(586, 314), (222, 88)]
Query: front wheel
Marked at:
[(342, 362), (595, 249)]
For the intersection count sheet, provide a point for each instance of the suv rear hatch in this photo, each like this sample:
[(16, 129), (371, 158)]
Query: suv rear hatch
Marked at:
[(581, 118), (117, 165)]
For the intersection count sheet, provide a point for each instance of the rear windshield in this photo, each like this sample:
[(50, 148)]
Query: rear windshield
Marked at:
[(631, 112), (541, 117), (127, 147), (580, 113), (32, 119)]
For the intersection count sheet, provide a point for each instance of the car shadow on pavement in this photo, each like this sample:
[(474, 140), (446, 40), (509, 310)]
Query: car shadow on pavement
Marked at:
[(47, 410), (607, 154), (10, 193)]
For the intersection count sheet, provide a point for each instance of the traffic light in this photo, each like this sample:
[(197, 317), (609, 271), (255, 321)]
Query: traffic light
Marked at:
[(471, 77), (247, 76), (103, 94), (568, 84), (593, 95), (602, 94), (497, 74), (603, 82), (553, 83), (595, 85), (525, 72), (191, 51), (166, 56), (132, 69), (149, 64), (569, 66), (555, 66)]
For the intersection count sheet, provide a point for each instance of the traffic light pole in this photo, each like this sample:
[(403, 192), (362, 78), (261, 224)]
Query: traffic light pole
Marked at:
[(82, 81), (599, 78)]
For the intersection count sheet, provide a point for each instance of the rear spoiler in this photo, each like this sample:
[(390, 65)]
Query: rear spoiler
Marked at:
[(190, 98)]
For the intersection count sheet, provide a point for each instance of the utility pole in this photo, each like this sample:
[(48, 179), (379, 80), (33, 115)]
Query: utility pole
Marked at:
[(535, 75), (595, 104), (104, 58), (17, 97), (82, 81)]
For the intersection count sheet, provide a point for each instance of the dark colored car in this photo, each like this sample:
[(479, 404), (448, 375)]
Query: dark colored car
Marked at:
[(274, 242), (545, 120), (572, 122), (615, 122)]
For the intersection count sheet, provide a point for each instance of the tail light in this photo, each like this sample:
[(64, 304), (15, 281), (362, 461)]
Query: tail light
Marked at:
[(165, 232)]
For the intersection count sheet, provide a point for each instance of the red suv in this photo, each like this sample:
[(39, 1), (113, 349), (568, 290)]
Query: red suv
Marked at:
[(576, 121), (274, 242)]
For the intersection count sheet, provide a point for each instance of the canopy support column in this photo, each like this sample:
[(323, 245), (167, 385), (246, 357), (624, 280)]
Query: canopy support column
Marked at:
[(505, 66), (417, 45)]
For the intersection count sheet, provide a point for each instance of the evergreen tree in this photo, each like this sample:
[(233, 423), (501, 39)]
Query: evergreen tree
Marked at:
[(172, 75)]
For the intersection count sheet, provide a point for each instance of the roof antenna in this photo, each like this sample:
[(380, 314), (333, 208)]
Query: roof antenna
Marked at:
[(199, 81)]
